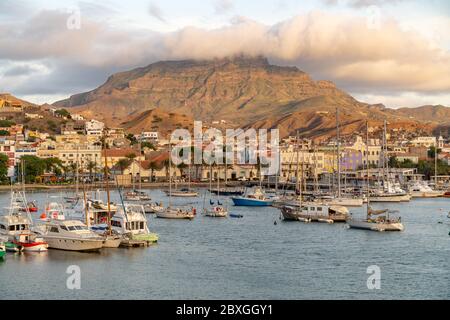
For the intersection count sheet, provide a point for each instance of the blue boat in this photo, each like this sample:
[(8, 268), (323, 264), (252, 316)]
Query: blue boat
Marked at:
[(257, 199)]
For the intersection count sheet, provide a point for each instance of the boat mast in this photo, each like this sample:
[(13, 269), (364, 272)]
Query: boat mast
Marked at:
[(435, 165), (367, 168), (140, 163), (170, 175), (77, 173), (107, 186), (297, 174), (338, 156)]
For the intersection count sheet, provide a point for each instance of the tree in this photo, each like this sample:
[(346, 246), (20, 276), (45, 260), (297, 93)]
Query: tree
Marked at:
[(152, 166), (146, 144), (54, 165), (4, 133), (122, 164), (91, 166), (3, 168), (63, 113), (131, 138), (33, 167)]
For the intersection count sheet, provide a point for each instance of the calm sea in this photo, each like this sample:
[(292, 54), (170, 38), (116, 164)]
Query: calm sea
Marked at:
[(249, 258)]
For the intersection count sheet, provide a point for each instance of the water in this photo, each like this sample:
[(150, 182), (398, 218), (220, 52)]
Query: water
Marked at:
[(249, 258)]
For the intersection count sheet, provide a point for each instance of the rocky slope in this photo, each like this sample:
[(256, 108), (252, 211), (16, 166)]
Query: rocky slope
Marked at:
[(244, 92)]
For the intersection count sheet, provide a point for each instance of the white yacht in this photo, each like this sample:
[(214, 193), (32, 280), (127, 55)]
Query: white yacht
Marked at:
[(421, 189), (176, 213), (390, 192), (131, 222), (151, 208), (62, 234), (382, 222)]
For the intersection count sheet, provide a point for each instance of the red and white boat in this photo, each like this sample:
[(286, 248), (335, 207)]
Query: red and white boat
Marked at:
[(30, 242)]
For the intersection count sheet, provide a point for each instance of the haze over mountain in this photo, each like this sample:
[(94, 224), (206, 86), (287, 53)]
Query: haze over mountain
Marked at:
[(243, 91)]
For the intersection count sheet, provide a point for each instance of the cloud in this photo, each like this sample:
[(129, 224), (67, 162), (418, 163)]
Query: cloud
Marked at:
[(156, 12), (20, 70), (362, 3), (223, 6), (339, 47)]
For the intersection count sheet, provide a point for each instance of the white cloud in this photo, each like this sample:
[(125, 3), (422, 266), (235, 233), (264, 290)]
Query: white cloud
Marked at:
[(338, 47)]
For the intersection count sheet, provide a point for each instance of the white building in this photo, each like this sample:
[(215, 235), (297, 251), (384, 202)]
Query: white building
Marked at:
[(424, 142), (94, 128), (148, 136)]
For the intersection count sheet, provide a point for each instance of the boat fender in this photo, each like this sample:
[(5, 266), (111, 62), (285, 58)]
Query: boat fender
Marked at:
[(194, 211), (43, 216), (275, 223)]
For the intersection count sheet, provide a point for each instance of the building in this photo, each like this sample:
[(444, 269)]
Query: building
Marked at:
[(149, 136), (115, 155), (424, 142), (8, 148), (311, 163), (81, 154), (94, 128)]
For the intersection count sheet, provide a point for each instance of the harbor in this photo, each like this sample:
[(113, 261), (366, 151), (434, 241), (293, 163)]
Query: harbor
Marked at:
[(251, 257)]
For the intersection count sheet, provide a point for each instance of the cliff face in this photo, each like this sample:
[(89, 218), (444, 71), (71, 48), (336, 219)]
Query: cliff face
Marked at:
[(238, 90), (243, 91)]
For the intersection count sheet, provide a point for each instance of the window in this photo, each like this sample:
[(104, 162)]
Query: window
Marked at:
[(141, 225), (64, 228), (2, 227), (72, 228), (54, 229), (319, 208)]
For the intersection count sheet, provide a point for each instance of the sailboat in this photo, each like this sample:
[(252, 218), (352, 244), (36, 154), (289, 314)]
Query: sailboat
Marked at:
[(339, 199), (137, 194), (376, 220), (172, 212), (185, 192), (73, 199), (214, 210)]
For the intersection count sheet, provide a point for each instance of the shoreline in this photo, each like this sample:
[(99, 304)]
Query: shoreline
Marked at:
[(147, 185)]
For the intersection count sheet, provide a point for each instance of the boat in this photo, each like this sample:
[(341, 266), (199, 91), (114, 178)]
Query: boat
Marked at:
[(380, 223), (173, 212), (314, 212), (31, 207), (182, 193), (345, 201), (227, 191), (176, 213), (2, 248), (255, 199), (16, 226), (136, 195), (423, 190), (69, 235), (131, 223), (151, 208), (214, 210), (236, 215), (376, 220)]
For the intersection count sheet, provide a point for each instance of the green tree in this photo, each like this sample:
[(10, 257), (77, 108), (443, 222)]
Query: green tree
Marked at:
[(122, 164), (152, 166), (33, 167), (131, 138), (63, 113), (92, 167), (3, 168), (4, 133)]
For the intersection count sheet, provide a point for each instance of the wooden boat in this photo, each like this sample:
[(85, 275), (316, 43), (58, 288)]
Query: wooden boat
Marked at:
[(314, 212)]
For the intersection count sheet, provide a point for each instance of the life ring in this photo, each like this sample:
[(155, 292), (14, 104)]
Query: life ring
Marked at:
[(55, 214)]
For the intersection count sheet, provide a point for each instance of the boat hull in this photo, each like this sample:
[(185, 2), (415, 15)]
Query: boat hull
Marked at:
[(175, 215), (68, 244), (34, 246), (294, 215), (374, 226), (248, 202), (396, 198), (112, 242), (426, 194), (346, 202)]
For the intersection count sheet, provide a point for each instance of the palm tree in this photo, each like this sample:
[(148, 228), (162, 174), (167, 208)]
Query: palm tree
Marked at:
[(91, 166), (122, 164), (152, 166)]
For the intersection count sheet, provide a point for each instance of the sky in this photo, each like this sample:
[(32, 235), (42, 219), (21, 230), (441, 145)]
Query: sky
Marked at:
[(395, 52)]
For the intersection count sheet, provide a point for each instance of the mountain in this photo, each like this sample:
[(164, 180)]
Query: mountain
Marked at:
[(7, 97), (243, 91), (157, 120)]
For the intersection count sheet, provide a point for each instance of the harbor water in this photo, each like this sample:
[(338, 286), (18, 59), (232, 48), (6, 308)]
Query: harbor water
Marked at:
[(248, 258)]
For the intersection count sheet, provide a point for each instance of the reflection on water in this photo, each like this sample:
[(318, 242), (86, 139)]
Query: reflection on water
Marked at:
[(249, 258)]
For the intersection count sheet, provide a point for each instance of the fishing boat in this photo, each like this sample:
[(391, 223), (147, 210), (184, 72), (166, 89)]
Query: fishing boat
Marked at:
[(16, 226), (255, 199), (131, 222), (376, 220), (313, 212)]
